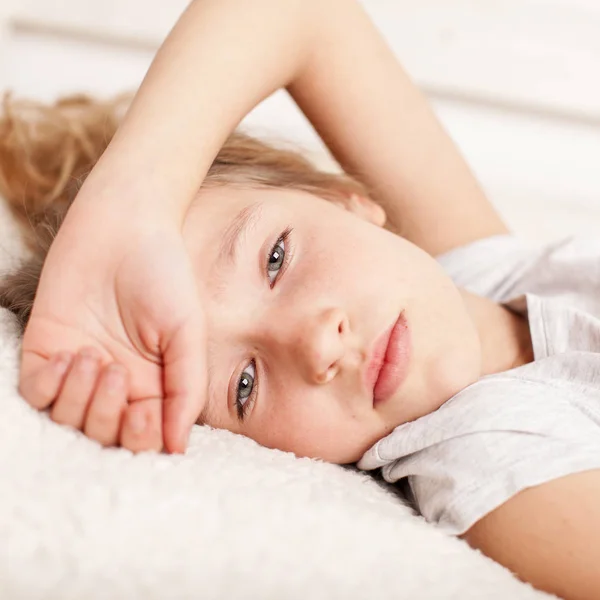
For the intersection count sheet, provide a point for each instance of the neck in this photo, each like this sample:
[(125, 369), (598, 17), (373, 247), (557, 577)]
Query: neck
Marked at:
[(504, 335)]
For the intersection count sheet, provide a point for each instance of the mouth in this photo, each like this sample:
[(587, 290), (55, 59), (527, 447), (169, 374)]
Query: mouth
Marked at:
[(388, 366)]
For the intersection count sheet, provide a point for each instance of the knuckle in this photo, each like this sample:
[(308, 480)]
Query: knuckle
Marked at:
[(69, 411), (102, 420), (154, 432), (74, 402), (102, 437), (148, 439), (132, 444), (102, 425), (62, 418), (155, 441), (35, 392)]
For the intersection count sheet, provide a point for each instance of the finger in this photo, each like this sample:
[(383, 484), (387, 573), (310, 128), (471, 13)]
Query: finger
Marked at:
[(105, 411), (41, 387), (184, 383), (77, 390), (142, 426)]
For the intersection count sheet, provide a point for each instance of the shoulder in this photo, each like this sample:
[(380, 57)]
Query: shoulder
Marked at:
[(489, 442), (504, 266)]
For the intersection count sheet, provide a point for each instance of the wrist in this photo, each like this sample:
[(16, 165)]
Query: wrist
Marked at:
[(128, 193)]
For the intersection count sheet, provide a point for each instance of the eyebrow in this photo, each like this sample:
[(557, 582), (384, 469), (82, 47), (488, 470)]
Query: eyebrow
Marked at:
[(229, 248), (235, 233)]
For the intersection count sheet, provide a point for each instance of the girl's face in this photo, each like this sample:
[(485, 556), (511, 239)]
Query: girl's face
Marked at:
[(300, 296)]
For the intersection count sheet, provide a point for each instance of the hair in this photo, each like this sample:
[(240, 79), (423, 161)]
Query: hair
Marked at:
[(46, 152)]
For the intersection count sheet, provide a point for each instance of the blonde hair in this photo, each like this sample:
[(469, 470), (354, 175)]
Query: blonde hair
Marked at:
[(46, 151)]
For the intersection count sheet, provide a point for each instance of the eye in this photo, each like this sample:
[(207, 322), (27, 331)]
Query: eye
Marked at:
[(245, 392), (247, 386), (278, 258)]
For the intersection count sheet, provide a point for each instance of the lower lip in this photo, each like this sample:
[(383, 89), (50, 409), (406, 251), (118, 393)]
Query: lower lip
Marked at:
[(395, 363)]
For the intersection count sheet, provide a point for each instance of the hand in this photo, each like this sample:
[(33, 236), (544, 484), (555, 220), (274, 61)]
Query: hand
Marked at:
[(90, 398), (124, 286)]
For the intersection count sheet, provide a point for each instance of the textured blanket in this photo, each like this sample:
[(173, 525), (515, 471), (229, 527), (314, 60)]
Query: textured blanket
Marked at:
[(229, 520)]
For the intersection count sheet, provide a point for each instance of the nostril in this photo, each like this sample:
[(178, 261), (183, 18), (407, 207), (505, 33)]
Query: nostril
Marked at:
[(330, 374)]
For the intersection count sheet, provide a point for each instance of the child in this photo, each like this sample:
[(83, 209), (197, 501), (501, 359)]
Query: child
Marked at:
[(325, 334)]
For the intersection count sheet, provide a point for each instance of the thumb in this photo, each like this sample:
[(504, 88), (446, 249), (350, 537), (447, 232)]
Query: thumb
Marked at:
[(185, 384)]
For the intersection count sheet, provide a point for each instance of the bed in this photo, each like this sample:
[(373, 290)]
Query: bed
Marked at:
[(229, 519)]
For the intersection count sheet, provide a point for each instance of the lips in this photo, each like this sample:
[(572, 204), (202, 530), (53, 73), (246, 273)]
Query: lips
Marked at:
[(388, 365)]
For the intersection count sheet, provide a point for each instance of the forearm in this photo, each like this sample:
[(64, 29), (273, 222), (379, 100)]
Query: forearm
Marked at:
[(548, 535), (224, 56), (380, 128), (221, 59)]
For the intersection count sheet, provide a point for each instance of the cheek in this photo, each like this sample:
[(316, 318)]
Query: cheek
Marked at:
[(331, 249), (299, 422), (313, 424)]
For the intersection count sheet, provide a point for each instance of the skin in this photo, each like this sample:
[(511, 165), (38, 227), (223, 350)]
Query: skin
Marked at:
[(310, 326), (382, 129), (195, 93), (312, 334), (540, 534), (314, 330)]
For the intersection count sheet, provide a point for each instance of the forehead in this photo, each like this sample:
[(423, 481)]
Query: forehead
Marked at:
[(215, 219), (222, 202), (218, 205), (220, 219), (215, 210)]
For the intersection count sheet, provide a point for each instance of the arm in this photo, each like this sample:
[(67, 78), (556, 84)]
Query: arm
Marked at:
[(118, 278), (221, 59), (380, 128), (549, 535), (224, 56)]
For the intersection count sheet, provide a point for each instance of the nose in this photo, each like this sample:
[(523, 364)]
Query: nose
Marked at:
[(317, 344)]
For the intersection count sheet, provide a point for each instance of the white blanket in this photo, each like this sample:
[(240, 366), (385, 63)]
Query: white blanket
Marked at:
[(229, 520)]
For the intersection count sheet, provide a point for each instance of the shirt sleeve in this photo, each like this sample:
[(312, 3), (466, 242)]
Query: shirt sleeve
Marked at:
[(484, 446), (503, 267), (490, 267)]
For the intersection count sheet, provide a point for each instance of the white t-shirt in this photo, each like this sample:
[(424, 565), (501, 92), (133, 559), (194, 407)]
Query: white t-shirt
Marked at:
[(523, 427)]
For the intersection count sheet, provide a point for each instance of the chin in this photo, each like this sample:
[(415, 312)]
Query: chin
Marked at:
[(349, 455), (461, 370)]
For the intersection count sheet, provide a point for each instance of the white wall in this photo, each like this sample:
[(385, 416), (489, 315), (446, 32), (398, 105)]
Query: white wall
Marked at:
[(514, 81)]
